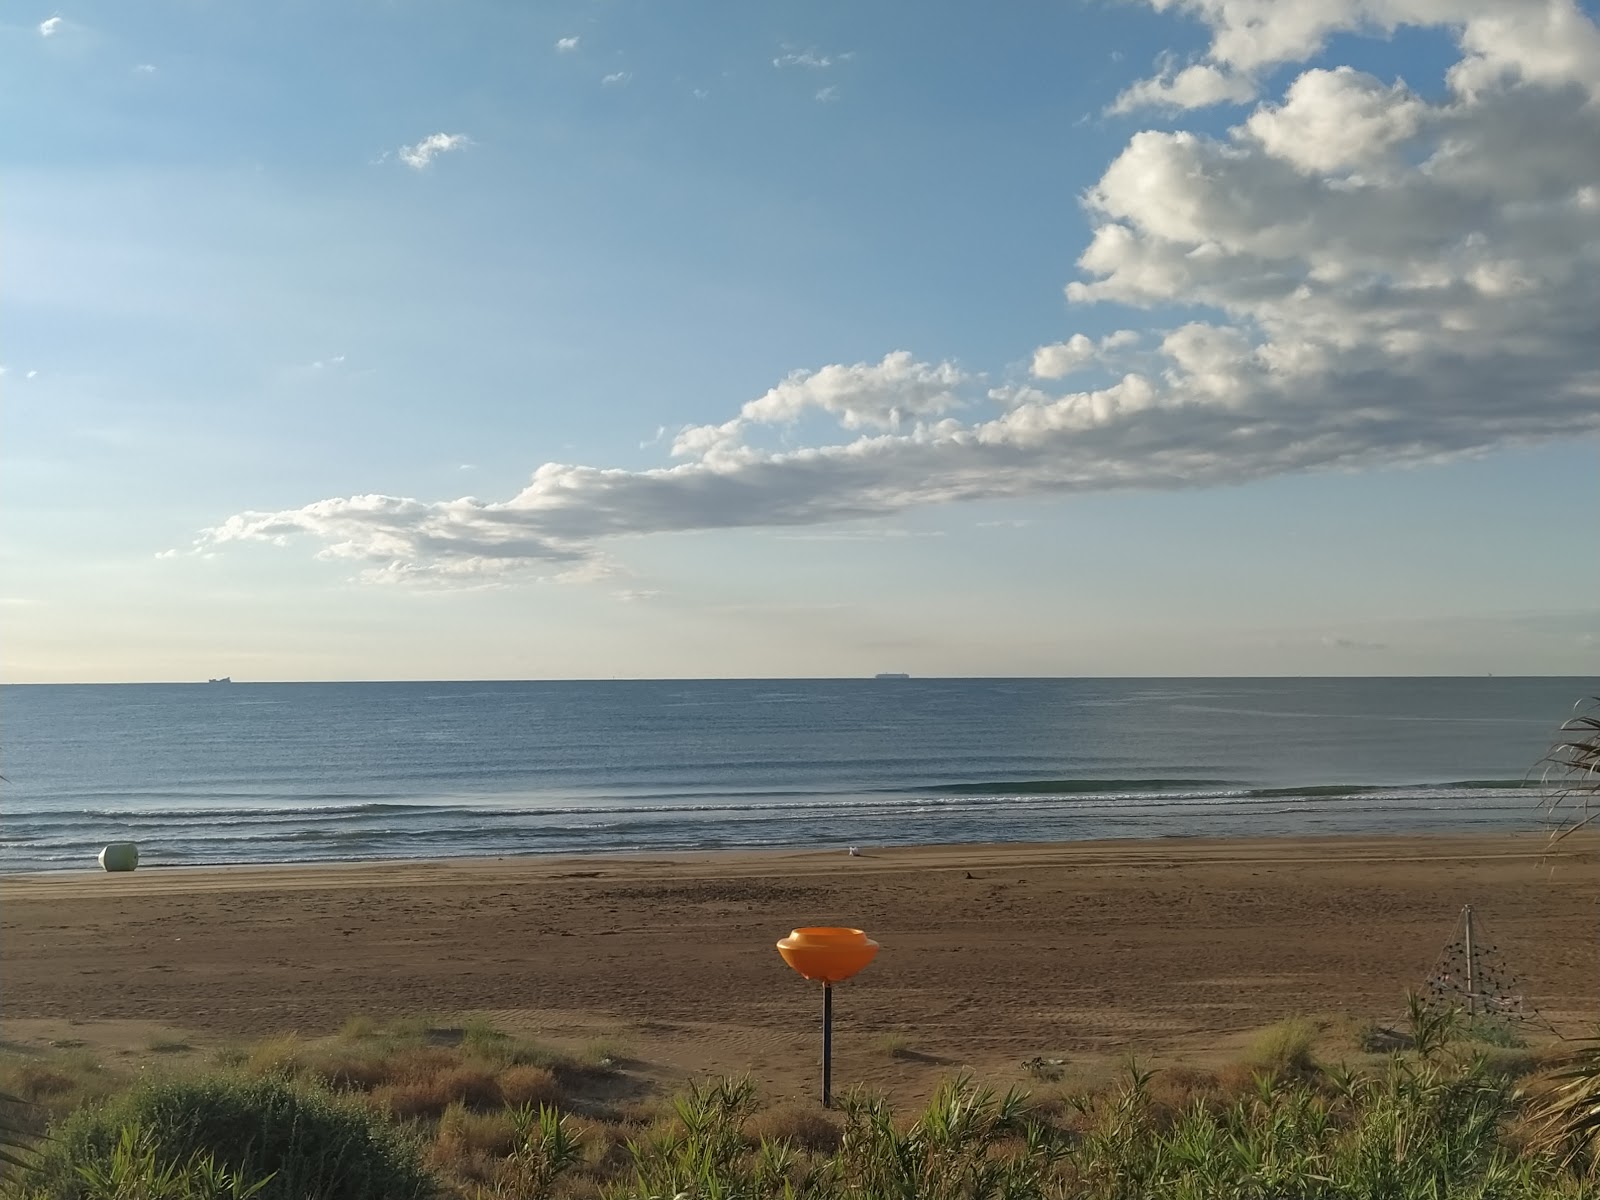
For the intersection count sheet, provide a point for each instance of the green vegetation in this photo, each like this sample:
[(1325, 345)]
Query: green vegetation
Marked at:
[(419, 1112), (235, 1135), (1284, 1048), (894, 1045)]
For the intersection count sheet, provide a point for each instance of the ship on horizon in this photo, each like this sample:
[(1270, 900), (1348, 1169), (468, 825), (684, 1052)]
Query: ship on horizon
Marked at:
[(222, 679), (891, 675)]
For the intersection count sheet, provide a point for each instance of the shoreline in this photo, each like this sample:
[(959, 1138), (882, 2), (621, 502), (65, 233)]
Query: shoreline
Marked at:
[(764, 860)]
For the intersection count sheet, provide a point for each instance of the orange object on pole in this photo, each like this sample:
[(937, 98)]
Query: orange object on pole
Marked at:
[(827, 953), (832, 955)]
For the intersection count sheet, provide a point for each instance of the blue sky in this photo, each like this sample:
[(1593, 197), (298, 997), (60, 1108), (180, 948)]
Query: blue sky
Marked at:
[(1082, 338)]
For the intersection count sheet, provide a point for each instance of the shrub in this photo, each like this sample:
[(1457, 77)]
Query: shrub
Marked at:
[(466, 1143), (358, 1028), (1492, 1031), (500, 1052), (351, 1072), (36, 1082), (1284, 1048), (314, 1146), (278, 1057), (430, 1095), (801, 1125), (529, 1085), (480, 1035), (59, 1085)]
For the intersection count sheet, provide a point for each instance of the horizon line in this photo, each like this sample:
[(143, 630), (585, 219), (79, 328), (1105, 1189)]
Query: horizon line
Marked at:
[(910, 678)]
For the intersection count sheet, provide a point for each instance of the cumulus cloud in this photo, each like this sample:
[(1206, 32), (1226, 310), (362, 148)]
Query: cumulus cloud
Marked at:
[(828, 94), (616, 78), (881, 395), (145, 69), (421, 155), (1531, 41), (1338, 120), (1362, 277), (566, 45), (50, 26), (1196, 86), (1061, 359)]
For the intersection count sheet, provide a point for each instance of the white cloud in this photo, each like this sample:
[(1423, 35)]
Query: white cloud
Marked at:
[(1061, 359), (566, 45), (1532, 41), (810, 59), (50, 26), (145, 69), (421, 155), (700, 93), (636, 595), (31, 375), (1363, 277), (1339, 120), (828, 94), (616, 78), (1196, 86), (879, 396)]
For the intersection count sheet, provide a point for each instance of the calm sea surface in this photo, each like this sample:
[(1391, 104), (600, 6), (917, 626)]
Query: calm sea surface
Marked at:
[(226, 773)]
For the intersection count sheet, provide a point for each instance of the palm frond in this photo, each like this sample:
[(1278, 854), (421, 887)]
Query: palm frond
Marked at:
[(16, 1137), (1567, 1121), (1570, 773)]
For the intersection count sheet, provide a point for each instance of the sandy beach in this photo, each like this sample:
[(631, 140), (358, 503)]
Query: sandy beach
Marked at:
[(992, 954)]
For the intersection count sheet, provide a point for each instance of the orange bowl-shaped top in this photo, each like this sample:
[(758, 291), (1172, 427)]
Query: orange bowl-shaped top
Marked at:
[(827, 952)]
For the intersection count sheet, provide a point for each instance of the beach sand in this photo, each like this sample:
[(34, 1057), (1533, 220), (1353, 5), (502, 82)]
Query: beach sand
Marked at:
[(1173, 949)]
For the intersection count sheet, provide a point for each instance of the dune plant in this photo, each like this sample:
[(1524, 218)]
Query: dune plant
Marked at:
[(313, 1146)]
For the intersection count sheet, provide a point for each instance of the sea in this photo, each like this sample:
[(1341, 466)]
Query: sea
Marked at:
[(320, 772)]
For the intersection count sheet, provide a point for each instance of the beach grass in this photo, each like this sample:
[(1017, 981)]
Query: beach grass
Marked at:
[(462, 1117), (894, 1045)]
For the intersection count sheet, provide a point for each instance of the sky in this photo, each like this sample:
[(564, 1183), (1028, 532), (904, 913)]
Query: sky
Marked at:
[(405, 339)]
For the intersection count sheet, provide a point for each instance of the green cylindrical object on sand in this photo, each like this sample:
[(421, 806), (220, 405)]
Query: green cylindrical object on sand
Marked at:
[(120, 856)]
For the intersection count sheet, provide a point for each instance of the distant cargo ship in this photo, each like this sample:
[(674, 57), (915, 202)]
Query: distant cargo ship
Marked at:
[(224, 679), (891, 675)]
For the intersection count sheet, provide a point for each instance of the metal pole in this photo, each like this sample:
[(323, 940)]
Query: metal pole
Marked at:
[(827, 1045), (1472, 973)]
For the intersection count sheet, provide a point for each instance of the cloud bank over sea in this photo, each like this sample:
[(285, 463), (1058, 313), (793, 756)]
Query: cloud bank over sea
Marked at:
[(1353, 274)]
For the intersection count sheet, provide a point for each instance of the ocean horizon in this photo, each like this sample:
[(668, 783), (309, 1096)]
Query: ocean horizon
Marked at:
[(307, 772)]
